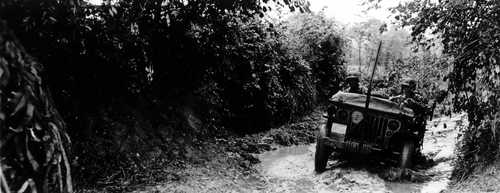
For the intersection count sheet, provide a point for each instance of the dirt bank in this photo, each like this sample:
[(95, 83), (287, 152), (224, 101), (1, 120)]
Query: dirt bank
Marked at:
[(209, 165), (482, 181)]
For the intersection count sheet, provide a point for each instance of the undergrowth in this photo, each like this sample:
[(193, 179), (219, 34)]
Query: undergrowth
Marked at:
[(477, 149)]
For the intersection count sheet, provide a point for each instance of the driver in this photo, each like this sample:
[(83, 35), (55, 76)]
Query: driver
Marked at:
[(353, 83)]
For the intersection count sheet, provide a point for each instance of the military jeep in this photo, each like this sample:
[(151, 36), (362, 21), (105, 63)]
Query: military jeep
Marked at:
[(355, 127)]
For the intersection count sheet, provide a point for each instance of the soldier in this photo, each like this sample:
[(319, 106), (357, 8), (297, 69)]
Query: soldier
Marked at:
[(353, 83), (410, 98), (414, 101)]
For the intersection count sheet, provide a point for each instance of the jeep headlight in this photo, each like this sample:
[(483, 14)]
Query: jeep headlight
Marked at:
[(393, 125), (356, 117)]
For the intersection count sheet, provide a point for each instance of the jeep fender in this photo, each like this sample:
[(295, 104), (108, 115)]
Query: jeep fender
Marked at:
[(322, 132)]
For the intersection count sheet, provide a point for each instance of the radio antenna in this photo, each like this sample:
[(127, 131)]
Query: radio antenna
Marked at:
[(368, 95)]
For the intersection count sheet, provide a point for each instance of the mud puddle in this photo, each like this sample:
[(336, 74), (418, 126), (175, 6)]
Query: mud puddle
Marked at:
[(291, 169)]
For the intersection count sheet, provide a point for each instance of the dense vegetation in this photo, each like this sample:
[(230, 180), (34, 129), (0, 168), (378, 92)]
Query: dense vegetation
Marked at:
[(135, 75), (132, 76), (469, 31)]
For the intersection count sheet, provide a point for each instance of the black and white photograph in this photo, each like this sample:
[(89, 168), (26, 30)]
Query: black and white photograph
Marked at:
[(249, 96)]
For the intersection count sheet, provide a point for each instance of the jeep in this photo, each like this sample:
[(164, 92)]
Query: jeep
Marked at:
[(358, 126)]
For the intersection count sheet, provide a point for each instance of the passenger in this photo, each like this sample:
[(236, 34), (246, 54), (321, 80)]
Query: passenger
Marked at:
[(411, 99)]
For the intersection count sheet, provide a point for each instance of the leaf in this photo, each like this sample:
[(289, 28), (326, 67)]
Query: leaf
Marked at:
[(53, 19), (33, 135), (38, 127), (19, 105), (26, 184), (31, 158), (49, 153), (17, 130), (30, 108), (112, 11), (3, 181)]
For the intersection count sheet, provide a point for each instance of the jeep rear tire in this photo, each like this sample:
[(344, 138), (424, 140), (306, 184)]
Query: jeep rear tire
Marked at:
[(407, 154), (322, 152)]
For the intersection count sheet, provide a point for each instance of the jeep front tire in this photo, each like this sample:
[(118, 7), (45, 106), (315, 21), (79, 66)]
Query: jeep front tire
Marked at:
[(407, 154), (322, 152)]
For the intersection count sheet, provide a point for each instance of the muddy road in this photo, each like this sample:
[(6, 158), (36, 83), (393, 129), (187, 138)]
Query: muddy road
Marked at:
[(291, 169)]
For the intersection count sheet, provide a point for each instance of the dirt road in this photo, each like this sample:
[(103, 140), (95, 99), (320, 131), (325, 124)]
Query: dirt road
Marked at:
[(290, 169)]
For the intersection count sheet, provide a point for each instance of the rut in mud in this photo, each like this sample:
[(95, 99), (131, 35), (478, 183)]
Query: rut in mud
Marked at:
[(291, 169)]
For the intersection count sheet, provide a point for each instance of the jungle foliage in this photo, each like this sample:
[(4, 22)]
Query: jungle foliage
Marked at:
[(133, 75), (470, 33)]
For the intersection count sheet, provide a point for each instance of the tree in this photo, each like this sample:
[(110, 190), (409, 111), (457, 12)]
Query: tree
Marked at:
[(366, 35), (33, 139), (470, 33)]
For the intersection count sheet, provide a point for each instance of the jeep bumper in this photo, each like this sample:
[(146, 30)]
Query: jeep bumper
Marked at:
[(348, 146)]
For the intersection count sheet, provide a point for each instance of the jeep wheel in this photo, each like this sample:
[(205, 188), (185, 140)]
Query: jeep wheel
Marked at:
[(320, 157), (407, 154), (322, 153)]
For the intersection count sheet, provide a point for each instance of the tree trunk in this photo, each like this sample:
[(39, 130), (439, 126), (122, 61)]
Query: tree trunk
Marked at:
[(33, 140)]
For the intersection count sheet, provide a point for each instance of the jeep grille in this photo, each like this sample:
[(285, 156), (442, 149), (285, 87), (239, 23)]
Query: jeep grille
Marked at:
[(370, 130)]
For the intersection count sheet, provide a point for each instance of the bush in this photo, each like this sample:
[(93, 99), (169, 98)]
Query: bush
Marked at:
[(478, 147), (262, 84)]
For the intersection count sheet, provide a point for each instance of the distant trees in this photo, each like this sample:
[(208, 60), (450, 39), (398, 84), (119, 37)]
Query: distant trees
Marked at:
[(365, 35), (399, 58), (321, 42)]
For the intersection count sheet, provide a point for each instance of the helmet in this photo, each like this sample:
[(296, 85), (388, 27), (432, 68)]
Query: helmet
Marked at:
[(353, 76), (410, 83)]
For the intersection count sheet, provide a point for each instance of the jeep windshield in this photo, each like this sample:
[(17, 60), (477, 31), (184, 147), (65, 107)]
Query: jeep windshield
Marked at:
[(376, 103)]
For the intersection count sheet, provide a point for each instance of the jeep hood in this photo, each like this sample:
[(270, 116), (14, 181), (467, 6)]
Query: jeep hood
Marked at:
[(376, 103)]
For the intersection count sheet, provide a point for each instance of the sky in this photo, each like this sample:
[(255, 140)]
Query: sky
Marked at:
[(351, 11), (94, 1)]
